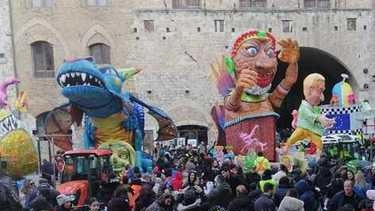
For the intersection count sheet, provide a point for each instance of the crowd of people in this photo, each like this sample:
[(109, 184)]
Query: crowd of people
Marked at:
[(191, 178)]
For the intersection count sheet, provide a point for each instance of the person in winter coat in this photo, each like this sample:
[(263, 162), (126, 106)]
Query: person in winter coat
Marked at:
[(344, 197), (265, 202), (94, 204), (241, 202), (30, 192), (222, 194), (47, 170), (324, 176), (48, 192), (177, 181), (291, 202), (40, 203), (8, 198), (64, 203), (254, 194), (164, 203), (361, 186), (335, 186), (282, 189), (252, 177), (266, 178), (306, 194), (283, 171), (120, 200), (145, 198), (190, 202), (135, 186), (371, 195)]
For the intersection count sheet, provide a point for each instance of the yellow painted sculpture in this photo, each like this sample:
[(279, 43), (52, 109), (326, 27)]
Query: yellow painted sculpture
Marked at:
[(310, 121), (16, 144)]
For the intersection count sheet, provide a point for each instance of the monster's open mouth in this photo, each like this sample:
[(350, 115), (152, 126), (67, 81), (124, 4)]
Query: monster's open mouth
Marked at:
[(265, 79), (79, 79), (8, 124)]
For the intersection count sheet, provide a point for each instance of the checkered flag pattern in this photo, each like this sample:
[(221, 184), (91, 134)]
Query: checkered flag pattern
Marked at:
[(347, 121)]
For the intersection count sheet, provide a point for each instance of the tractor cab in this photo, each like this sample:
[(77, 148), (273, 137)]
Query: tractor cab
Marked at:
[(85, 173), (343, 146)]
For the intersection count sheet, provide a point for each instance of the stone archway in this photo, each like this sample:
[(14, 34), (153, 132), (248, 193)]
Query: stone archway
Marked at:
[(312, 60), (193, 121), (193, 132)]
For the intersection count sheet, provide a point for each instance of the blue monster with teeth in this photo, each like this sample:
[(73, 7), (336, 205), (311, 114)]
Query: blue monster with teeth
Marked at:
[(113, 117)]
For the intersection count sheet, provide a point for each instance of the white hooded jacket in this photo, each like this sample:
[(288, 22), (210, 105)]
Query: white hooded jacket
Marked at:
[(291, 204)]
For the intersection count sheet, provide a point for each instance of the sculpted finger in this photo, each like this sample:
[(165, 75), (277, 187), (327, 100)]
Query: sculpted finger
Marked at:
[(290, 42), (249, 72), (247, 82), (282, 43)]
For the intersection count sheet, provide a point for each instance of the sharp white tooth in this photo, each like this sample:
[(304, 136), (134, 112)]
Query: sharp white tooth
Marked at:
[(68, 85), (72, 75), (63, 78), (83, 76), (90, 76)]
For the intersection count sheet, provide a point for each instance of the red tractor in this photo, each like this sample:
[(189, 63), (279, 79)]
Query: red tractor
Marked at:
[(87, 173)]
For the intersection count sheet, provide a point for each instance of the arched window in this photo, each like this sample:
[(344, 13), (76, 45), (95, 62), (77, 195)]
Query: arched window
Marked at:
[(42, 54), (101, 52)]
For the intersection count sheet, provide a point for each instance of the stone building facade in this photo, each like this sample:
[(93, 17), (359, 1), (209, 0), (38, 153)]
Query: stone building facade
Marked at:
[(6, 56), (175, 41)]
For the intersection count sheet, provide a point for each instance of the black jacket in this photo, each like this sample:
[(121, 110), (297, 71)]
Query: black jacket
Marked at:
[(241, 203), (264, 203), (339, 200)]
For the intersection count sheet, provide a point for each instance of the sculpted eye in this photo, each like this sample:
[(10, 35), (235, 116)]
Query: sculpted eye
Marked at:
[(270, 53), (252, 51)]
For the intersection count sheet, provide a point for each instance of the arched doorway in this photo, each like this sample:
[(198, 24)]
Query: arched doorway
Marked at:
[(193, 132), (312, 60)]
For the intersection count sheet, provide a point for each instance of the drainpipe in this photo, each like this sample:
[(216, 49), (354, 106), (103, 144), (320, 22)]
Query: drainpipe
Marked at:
[(13, 46)]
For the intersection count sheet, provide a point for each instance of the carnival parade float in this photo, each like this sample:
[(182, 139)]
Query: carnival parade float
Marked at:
[(112, 117), (18, 155), (246, 119)]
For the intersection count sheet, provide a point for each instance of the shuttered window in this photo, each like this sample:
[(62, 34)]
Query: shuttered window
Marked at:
[(43, 61), (186, 4), (101, 52)]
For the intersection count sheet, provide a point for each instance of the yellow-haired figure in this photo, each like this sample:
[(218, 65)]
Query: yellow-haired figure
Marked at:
[(310, 121)]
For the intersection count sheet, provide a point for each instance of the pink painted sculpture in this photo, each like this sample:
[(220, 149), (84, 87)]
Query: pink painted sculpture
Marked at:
[(3, 90), (251, 142)]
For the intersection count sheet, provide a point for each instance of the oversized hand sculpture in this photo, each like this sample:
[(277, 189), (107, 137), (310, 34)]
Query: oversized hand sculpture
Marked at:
[(290, 54)]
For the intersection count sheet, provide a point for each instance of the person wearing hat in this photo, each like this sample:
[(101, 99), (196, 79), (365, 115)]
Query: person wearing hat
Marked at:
[(64, 202)]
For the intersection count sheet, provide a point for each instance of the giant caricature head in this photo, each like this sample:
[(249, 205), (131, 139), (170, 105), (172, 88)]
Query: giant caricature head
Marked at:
[(255, 50), (92, 88), (313, 88)]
